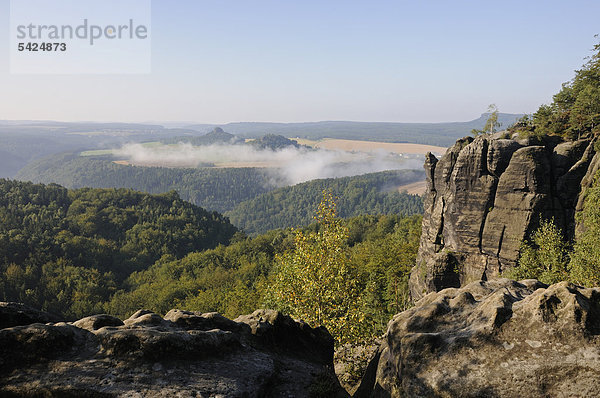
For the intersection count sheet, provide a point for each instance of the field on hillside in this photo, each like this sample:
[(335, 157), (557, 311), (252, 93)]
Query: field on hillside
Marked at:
[(369, 146), (414, 188), (232, 156)]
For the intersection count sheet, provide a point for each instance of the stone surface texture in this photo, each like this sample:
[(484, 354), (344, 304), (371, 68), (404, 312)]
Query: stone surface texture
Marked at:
[(497, 338), (486, 195), (184, 354)]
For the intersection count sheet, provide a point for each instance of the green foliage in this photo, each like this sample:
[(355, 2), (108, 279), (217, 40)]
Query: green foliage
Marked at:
[(232, 279), (350, 277), (317, 282), (386, 257), (85, 251), (247, 195), (585, 259), (68, 251), (575, 110), (544, 258), (491, 124), (218, 189), (549, 259), (294, 206), (227, 279)]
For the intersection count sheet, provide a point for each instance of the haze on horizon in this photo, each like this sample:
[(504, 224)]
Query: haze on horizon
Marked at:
[(394, 61)]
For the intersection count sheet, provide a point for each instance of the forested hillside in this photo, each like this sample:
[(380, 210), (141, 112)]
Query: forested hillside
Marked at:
[(218, 189), (68, 251), (85, 251), (273, 142), (295, 206), (244, 194), (234, 279)]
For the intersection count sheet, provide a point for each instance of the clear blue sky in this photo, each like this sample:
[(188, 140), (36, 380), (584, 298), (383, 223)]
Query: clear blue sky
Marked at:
[(253, 60)]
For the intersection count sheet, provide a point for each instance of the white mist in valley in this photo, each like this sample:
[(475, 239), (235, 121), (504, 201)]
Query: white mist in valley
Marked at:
[(293, 164)]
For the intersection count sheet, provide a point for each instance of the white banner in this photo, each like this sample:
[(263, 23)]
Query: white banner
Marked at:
[(80, 36)]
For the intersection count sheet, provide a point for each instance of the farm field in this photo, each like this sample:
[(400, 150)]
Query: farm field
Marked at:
[(415, 188), (373, 149), (366, 146)]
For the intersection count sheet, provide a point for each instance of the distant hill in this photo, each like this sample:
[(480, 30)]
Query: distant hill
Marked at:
[(216, 136), (274, 142), (295, 206), (28, 141), (10, 164), (442, 134)]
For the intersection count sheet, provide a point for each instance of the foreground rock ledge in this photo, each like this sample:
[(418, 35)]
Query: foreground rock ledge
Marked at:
[(184, 354), (492, 339)]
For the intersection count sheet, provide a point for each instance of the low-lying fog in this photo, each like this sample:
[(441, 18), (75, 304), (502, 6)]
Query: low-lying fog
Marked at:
[(294, 164)]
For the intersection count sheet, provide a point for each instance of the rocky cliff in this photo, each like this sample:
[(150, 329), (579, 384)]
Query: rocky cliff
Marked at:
[(184, 354), (486, 195), (499, 338)]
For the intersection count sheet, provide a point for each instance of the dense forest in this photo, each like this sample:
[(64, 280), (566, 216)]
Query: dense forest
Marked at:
[(234, 279), (67, 251), (249, 196), (84, 251), (294, 206), (218, 189)]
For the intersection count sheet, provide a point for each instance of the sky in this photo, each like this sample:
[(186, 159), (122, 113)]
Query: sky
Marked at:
[(293, 61)]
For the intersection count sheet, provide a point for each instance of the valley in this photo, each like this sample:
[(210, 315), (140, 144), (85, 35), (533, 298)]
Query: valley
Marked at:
[(303, 200)]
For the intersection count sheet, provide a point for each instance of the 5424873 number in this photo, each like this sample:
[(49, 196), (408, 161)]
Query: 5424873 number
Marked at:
[(42, 47)]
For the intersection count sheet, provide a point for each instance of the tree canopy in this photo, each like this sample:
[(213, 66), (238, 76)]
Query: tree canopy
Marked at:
[(67, 251), (575, 110), (350, 290)]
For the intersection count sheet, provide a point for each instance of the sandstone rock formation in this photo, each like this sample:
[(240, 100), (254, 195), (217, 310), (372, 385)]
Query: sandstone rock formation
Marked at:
[(486, 195), (498, 338), (185, 354), (15, 314)]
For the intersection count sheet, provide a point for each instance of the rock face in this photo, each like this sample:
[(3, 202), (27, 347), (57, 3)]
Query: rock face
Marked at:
[(15, 314), (486, 195), (498, 338), (184, 354)]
